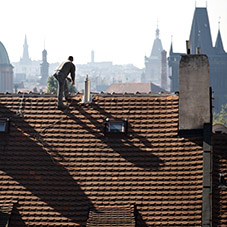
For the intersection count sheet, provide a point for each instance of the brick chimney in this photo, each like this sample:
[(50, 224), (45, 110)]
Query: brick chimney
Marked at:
[(194, 91)]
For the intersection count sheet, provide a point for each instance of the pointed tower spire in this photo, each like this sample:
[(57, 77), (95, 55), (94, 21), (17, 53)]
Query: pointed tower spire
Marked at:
[(200, 35), (219, 44), (25, 59), (157, 31), (157, 45), (171, 46)]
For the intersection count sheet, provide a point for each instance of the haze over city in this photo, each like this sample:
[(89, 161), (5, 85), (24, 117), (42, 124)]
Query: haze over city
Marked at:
[(118, 31)]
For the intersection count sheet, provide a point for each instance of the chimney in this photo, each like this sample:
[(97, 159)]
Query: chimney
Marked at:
[(194, 92), (188, 48), (87, 91)]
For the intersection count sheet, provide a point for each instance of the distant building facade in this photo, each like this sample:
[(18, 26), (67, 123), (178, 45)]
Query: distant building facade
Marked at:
[(200, 37), (155, 64), (103, 74), (6, 71)]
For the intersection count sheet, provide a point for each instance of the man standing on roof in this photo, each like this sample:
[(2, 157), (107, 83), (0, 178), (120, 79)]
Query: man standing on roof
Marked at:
[(61, 74)]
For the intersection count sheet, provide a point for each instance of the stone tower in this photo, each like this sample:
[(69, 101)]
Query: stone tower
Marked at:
[(44, 68), (200, 37)]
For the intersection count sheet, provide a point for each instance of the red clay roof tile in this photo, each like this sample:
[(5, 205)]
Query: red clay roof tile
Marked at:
[(56, 165)]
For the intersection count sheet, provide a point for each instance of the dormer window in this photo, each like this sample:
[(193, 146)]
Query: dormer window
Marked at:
[(4, 125), (116, 126)]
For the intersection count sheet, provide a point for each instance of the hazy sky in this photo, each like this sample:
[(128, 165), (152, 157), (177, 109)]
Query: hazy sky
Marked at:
[(121, 31)]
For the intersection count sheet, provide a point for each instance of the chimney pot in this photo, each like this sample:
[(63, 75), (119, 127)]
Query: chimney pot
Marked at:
[(188, 48)]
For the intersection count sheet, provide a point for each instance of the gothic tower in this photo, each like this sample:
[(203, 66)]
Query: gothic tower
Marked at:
[(44, 68), (200, 36)]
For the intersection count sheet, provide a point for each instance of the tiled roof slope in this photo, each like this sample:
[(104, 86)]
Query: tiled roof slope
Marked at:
[(120, 216), (57, 165), (219, 142)]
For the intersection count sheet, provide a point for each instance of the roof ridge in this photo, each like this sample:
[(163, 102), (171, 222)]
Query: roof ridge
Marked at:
[(31, 94)]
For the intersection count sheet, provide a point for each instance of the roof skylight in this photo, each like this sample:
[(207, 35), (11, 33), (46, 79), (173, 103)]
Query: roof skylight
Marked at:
[(116, 126), (4, 125)]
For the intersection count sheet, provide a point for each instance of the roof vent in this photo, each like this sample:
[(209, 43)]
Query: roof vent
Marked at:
[(87, 91)]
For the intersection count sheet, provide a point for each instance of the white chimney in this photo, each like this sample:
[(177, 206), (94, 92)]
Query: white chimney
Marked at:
[(87, 91), (194, 92)]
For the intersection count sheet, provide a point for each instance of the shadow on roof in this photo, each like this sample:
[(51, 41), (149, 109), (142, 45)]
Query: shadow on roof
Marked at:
[(139, 156), (16, 217), (33, 166)]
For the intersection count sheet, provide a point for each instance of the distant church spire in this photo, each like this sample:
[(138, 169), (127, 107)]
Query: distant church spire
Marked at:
[(25, 59), (219, 44), (157, 31), (157, 45)]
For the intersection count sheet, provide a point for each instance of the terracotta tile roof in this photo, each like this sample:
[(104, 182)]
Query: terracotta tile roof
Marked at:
[(57, 165), (120, 216)]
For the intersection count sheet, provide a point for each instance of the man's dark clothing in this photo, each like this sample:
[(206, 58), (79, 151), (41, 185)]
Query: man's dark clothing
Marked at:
[(62, 72)]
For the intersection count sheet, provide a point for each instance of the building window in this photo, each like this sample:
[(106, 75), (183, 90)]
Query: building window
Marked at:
[(116, 126), (4, 125)]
